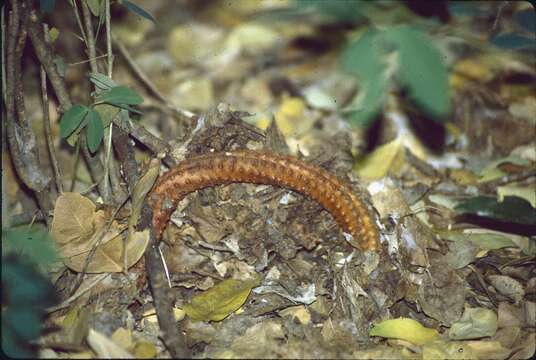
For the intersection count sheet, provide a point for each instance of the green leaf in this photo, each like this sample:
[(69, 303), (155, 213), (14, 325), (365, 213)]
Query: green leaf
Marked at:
[(107, 113), (32, 243), (365, 58), (102, 81), (72, 119), (94, 131), (512, 209), (421, 70), (137, 10), (120, 95), (513, 41)]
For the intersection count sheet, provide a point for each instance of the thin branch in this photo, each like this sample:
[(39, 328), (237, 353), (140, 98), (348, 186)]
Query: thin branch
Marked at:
[(20, 136), (44, 54), (109, 39), (46, 121), (90, 43)]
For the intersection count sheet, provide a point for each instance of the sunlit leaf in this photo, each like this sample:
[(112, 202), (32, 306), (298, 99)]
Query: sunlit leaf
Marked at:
[(94, 131), (404, 329), (137, 10), (120, 95), (386, 158), (421, 70), (72, 119), (221, 300)]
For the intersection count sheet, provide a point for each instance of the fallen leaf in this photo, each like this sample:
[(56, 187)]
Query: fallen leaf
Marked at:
[(221, 300), (475, 323), (386, 158), (404, 329)]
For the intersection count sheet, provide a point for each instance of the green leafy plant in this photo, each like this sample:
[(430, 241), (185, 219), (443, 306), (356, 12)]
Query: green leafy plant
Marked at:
[(80, 117), (419, 64), (26, 292)]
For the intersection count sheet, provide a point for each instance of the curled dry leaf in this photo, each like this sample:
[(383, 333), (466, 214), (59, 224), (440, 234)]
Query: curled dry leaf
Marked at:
[(77, 227)]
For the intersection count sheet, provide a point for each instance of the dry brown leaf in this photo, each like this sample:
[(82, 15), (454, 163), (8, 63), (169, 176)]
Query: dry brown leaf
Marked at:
[(108, 257)]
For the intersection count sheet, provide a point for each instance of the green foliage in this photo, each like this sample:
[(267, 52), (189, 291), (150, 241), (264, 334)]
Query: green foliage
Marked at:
[(95, 130), (420, 70), (118, 96), (137, 10), (72, 119), (33, 243), (513, 209), (109, 99), (26, 292), (370, 69)]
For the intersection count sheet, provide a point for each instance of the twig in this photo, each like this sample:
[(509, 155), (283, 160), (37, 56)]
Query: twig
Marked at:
[(20, 136), (163, 297), (46, 121), (79, 293), (78, 21), (90, 38), (3, 25), (109, 39)]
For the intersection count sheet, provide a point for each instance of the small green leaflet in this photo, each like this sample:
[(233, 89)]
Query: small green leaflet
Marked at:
[(102, 81), (421, 70), (366, 59), (137, 10), (71, 119), (94, 131), (120, 95)]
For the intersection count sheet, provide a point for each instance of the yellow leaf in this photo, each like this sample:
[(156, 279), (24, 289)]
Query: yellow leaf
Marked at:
[(404, 329), (221, 300), (388, 157)]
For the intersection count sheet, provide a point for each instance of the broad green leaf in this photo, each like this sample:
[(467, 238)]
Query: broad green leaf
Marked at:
[(220, 301), (512, 209), (94, 131), (107, 113), (365, 59), (72, 119), (102, 81), (120, 95), (421, 70), (405, 329), (137, 10), (33, 243), (513, 41)]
